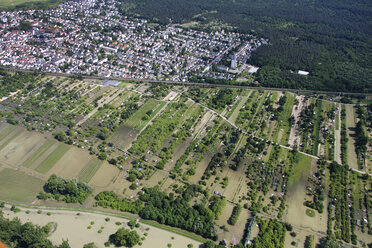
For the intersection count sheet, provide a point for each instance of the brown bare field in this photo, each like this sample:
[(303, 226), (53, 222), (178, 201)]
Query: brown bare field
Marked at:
[(104, 176), (21, 147), (71, 163)]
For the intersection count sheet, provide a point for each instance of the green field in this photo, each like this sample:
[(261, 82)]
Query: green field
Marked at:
[(18, 186), (89, 170), (38, 153), (136, 118), (237, 107), (154, 112), (302, 166), (52, 159)]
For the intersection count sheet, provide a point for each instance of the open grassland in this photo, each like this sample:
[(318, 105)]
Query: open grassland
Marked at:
[(38, 153), (52, 159), (18, 186), (89, 170)]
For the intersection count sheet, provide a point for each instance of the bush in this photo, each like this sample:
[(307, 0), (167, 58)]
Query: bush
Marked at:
[(133, 186)]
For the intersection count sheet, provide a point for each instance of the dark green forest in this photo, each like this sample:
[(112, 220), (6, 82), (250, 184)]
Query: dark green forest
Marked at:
[(330, 39)]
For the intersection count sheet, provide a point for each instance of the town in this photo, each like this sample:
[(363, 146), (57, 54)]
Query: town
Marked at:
[(92, 37)]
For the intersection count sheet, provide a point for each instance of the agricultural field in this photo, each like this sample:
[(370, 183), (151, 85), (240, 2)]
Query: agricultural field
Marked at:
[(229, 158)]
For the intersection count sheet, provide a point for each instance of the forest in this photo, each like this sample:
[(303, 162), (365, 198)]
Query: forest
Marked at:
[(330, 39)]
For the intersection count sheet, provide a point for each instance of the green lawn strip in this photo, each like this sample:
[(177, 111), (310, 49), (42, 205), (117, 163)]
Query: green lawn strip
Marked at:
[(317, 127), (174, 230), (235, 111), (144, 123), (90, 170), (38, 153), (302, 166), (136, 118), (52, 158), (18, 132), (6, 131), (18, 186)]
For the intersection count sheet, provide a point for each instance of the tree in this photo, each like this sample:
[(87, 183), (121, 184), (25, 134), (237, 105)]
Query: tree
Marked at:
[(125, 237)]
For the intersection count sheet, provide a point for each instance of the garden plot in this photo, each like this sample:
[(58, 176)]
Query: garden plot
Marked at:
[(21, 147), (350, 126), (123, 137), (72, 162), (100, 103), (18, 186)]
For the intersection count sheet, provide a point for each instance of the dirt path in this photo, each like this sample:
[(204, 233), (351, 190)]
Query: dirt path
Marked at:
[(338, 136), (293, 137), (350, 126)]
